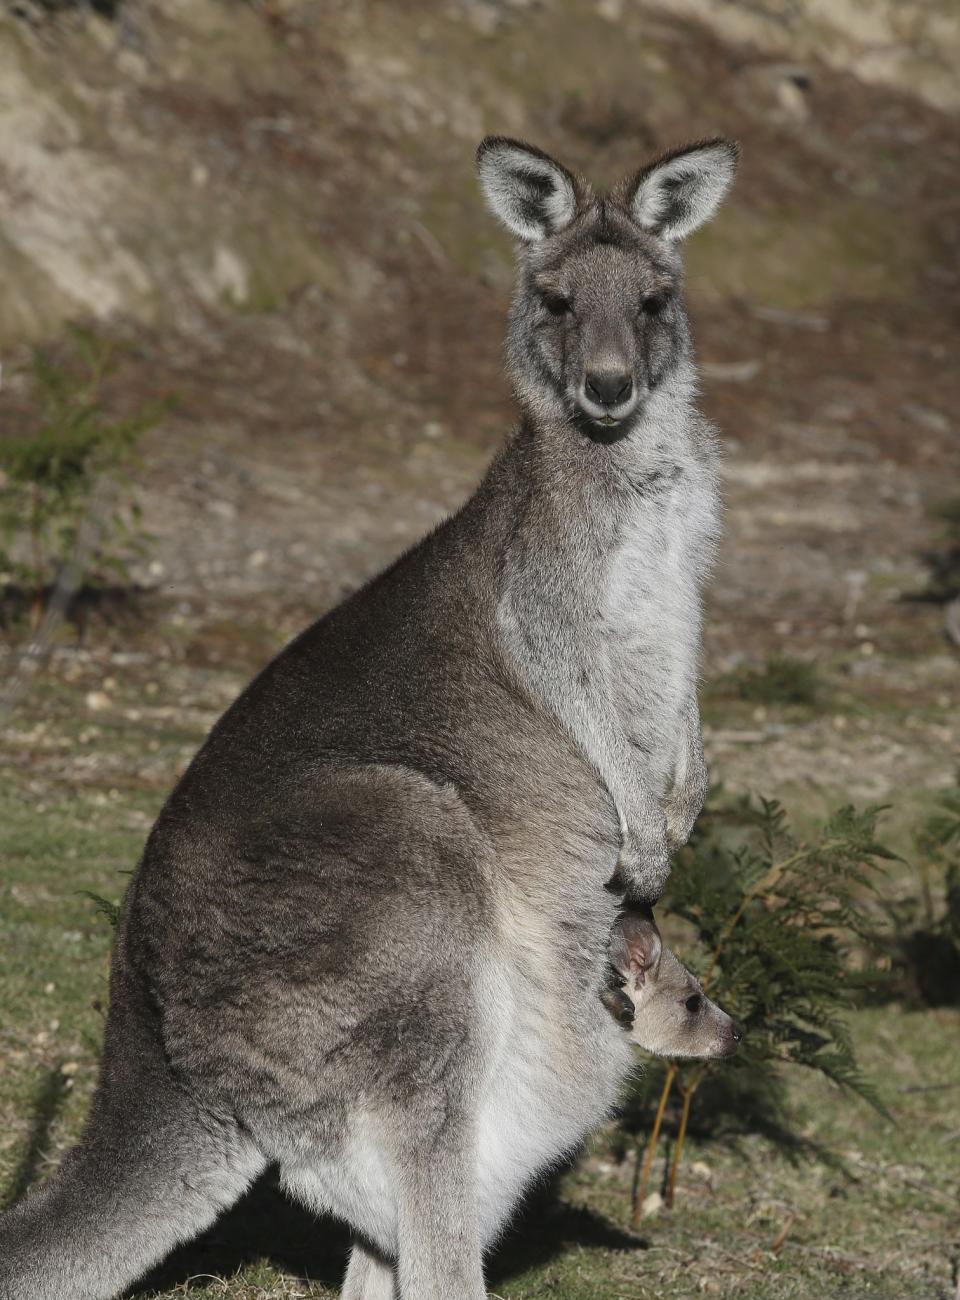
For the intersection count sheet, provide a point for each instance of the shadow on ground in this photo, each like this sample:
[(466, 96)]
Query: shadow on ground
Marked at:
[(46, 1107), (266, 1225)]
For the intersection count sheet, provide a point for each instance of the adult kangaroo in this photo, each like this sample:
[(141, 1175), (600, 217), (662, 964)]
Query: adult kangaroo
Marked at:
[(367, 938)]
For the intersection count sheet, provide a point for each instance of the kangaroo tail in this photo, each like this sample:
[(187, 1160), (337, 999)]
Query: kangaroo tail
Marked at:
[(153, 1169)]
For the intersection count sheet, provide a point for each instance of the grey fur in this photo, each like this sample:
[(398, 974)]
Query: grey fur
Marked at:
[(367, 938)]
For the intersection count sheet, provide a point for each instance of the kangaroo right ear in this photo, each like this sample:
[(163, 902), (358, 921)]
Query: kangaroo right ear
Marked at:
[(680, 191), (531, 194), (635, 945)]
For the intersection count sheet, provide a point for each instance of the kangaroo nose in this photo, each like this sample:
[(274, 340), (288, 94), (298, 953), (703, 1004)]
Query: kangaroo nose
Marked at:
[(736, 1030), (608, 388)]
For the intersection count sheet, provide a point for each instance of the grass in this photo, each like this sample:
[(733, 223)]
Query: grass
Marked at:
[(779, 680), (753, 1218)]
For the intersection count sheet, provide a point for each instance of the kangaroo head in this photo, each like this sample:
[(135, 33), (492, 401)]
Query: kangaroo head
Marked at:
[(597, 324), (672, 1016)]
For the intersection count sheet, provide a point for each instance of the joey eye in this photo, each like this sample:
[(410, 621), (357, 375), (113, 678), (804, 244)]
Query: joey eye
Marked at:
[(557, 305), (694, 1003)]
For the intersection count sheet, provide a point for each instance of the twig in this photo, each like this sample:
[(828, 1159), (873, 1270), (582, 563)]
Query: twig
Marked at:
[(688, 1092), (951, 621), (36, 605), (781, 1236), (431, 243), (641, 1188)]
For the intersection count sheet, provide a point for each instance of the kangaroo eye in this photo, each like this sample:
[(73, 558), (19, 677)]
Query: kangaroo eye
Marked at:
[(694, 1003), (653, 305), (557, 305)]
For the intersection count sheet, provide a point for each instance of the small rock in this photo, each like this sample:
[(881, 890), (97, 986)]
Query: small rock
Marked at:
[(700, 1169), (132, 64), (927, 416), (652, 1205), (229, 275), (731, 372), (97, 700), (792, 100)]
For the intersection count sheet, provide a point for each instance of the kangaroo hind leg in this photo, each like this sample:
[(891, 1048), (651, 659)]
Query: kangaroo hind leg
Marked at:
[(368, 1277)]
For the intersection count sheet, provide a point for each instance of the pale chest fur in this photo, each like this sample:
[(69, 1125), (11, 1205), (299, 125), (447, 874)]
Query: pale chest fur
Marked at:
[(651, 606)]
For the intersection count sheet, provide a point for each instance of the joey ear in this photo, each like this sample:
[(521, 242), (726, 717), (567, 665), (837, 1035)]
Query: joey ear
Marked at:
[(680, 191), (635, 945), (531, 194)]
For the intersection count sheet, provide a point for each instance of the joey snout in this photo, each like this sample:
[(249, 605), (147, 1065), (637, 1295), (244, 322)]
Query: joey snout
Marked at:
[(719, 1034)]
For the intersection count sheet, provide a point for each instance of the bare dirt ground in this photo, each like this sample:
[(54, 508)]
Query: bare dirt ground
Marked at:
[(325, 416)]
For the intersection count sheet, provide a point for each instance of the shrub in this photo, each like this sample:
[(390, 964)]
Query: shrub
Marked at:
[(48, 473), (943, 561), (922, 941)]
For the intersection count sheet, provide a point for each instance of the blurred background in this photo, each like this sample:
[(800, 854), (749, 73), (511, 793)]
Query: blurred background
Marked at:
[(250, 331)]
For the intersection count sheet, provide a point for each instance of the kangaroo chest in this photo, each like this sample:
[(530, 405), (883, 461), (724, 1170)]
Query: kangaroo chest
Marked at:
[(651, 622)]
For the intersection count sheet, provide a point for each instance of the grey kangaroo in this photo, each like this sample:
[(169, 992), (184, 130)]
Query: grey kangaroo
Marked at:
[(367, 939)]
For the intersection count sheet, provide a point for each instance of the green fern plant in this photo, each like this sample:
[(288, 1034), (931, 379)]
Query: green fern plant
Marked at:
[(108, 910), (778, 922)]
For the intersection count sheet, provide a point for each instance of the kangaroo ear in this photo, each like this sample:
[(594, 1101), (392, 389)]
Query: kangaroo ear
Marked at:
[(680, 191), (635, 945), (531, 194)]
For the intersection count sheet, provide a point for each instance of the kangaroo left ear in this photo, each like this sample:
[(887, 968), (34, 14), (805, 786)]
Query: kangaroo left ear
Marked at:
[(680, 191)]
